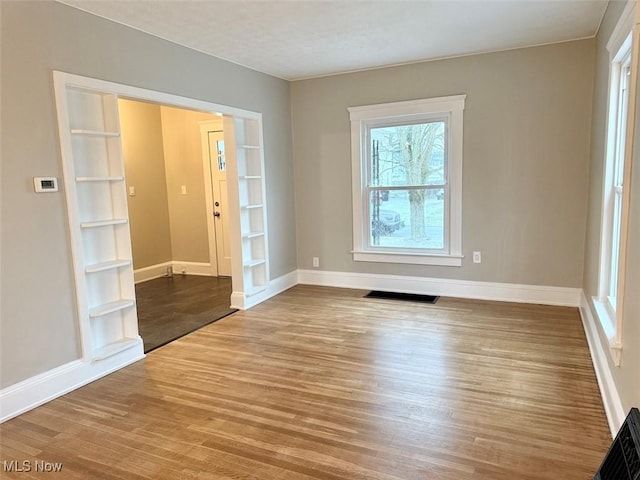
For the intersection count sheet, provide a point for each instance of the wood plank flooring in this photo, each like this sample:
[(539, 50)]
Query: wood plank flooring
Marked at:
[(170, 307), (320, 383)]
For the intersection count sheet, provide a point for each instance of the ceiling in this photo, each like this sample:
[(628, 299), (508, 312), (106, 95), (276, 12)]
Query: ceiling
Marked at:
[(302, 39)]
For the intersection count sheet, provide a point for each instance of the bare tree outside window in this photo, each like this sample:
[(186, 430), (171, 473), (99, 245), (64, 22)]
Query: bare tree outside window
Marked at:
[(408, 172)]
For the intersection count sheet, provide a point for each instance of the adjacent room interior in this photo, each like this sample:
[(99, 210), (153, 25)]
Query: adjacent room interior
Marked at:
[(181, 258), (525, 367)]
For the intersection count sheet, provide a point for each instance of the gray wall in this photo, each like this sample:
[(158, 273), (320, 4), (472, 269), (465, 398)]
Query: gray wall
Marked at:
[(526, 152), (626, 376), (39, 324)]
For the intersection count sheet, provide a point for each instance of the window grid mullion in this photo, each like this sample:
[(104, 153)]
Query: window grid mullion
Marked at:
[(407, 187)]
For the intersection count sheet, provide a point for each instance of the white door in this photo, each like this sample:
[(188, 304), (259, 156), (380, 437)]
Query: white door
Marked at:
[(218, 169)]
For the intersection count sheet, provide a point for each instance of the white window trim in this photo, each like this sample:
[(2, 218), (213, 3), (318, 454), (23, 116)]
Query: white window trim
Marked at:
[(623, 39), (451, 106)]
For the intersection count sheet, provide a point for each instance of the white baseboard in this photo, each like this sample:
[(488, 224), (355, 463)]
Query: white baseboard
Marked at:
[(610, 397), (192, 268), (243, 301), (504, 292), (39, 389), (160, 270), (149, 273)]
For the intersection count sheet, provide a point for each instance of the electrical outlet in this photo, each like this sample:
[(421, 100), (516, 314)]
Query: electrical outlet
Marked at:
[(183, 270), (477, 257), (183, 189), (316, 262)]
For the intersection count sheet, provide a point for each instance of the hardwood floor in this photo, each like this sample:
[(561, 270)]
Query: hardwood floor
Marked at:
[(170, 307), (320, 383)]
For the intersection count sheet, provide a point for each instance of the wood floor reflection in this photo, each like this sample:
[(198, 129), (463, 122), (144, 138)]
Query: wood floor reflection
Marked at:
[(320, 383)]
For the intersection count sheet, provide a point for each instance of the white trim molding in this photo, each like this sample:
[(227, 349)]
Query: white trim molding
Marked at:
[(446, 110), (610, 397), (623, 27), (145, 274), (608, 322), (191, 268), (243, 301), (151, 272), (39, 389), (502, 292), (400, 257)]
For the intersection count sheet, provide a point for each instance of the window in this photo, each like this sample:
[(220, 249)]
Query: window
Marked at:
[(407, 181), (608, 303)]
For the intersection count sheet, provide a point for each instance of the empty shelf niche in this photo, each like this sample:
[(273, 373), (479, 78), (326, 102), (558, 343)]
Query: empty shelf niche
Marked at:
[(105, 244), (101, 200), (250, 192), (91, 111)]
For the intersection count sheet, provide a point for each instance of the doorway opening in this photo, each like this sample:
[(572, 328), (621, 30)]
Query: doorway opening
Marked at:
[(178, 218), (99, 224)]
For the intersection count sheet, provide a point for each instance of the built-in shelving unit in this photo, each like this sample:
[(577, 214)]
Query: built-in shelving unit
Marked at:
[(99, 222), (254, 263)]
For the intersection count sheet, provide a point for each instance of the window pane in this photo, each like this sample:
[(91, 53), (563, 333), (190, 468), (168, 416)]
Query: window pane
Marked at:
[(615, 245), (407, 218), (409, 155), (222, 164)]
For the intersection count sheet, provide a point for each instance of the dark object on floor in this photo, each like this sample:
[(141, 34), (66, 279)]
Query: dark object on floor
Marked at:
[(409, 297), (172, 307), (622, 461)]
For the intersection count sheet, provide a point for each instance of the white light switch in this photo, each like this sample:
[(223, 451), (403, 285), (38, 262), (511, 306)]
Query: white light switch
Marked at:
[(183, 189), (132, 191)]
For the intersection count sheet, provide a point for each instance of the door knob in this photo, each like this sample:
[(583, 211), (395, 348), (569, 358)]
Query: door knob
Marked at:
[(216, 214)]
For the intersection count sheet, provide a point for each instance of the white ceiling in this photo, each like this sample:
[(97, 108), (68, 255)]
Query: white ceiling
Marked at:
[(301, 39)]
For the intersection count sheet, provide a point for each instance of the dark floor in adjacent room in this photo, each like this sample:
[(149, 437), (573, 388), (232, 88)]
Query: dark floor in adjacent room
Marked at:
[(170, 307)]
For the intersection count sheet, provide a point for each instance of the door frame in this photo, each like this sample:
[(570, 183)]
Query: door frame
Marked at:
[(227, 112), (207, 126)]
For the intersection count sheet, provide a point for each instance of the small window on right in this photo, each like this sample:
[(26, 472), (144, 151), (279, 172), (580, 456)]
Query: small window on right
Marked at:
[(615, 195)]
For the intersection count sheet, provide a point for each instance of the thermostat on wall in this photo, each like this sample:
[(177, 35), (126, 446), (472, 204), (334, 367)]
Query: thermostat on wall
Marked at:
[(45, 184)]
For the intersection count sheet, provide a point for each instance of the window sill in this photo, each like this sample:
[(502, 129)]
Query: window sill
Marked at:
[(409, 258), (607, 320)]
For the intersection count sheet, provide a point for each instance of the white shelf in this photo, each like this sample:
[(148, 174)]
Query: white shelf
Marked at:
[(103, 223), (249, 207), (250, 177), (253, 263), (110, 307), (101, 267), (99, 179), (114, 348), (253, 235), (93, 133), (250, 147)]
